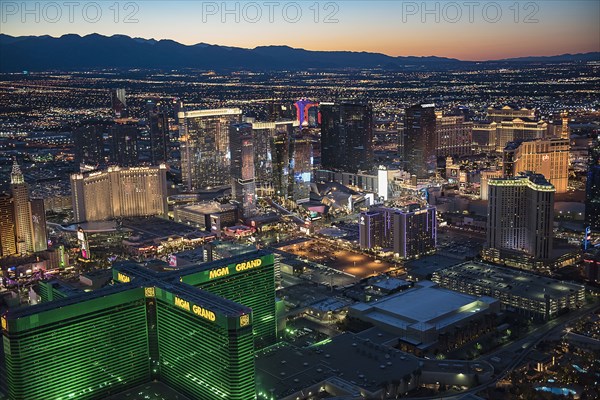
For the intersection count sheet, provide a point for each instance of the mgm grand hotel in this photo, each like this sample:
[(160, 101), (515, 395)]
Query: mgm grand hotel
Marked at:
[(194, 330)]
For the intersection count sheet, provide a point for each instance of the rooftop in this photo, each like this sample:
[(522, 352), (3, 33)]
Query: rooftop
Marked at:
[(423, 307), (390, 283), (527, 178), (208, 207), (516, 282), (353, 359)]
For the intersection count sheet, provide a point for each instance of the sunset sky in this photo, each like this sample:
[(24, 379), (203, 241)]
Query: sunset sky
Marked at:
[(390, 27)]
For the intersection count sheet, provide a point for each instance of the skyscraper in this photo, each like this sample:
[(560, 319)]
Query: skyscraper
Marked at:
[(119, 103), (281, 144), (519, 129), (243, 184), (119, 192), (409, 232), (124, 143), (158, 124), (22, 221), (420, 139), (520, 219), (22, 213), (8, 244), (272, 156), (301, 165), (89, 145), (38, 218), (415, 231), (204, 144), (549, 157), (347, 136), (370, 230), (195, 329), (592, 189), (507, 124), (484, 136)]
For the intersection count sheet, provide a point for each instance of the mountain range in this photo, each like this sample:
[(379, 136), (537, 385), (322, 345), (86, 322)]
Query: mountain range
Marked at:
[(73, 52)]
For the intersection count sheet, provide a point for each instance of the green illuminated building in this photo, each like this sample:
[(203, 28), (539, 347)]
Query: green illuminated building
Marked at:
[(194, 329), (55, 290), (252, 285), (78, 347)]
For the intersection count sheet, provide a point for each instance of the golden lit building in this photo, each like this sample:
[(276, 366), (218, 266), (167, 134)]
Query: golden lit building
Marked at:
[(498, 114), (507, 124), (119, 192), (22, 220), (484, 136), (549, 157), (8, 244), (519, 129), (22, 214), (454, 136), (485, 178)]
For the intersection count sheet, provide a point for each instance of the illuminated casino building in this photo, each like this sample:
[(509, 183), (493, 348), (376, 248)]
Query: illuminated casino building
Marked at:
[(520, 218), (592, 189), (549, 157), (420, 139), (119, 192), (195, 329), (119, 103), (22, 219)]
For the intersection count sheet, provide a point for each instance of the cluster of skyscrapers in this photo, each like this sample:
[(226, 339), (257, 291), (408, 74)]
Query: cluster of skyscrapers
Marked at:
[(220, 148), (121, 142)]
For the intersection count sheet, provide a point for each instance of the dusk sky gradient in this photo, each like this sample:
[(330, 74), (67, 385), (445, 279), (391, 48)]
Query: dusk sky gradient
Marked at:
[(374, 26)]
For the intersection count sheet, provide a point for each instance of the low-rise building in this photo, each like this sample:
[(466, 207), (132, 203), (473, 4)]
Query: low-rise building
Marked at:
[(210, 215), (427, 316), (533, 295)]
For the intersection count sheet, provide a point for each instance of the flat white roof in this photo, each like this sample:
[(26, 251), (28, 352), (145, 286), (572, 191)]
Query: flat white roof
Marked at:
[(423, 307)]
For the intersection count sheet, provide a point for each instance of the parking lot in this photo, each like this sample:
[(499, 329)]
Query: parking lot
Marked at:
[(460, 245), (349, 262)]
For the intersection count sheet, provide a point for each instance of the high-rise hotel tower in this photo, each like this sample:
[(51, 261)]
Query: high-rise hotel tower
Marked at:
[(204, 145), (119, 192), (520, 219), (194, 329)]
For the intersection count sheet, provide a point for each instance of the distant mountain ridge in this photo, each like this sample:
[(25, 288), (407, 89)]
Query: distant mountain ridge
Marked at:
[(74, 52)]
